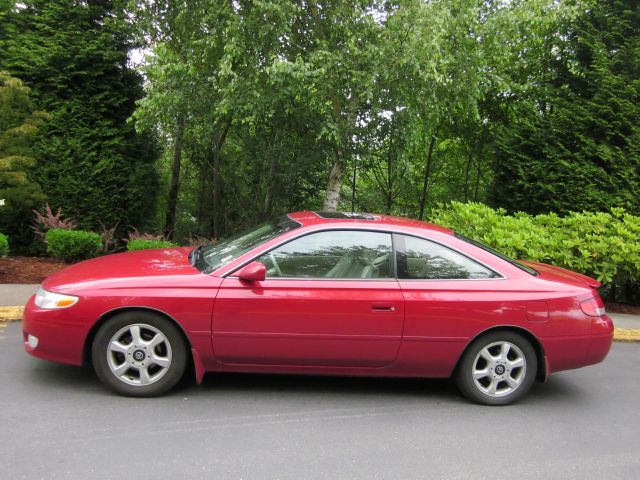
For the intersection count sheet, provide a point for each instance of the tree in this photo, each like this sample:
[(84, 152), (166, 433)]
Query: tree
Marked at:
[(19, 126), (74, 57), (573, 141)]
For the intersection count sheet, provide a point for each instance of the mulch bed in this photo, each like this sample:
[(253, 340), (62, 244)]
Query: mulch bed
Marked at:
[(36, 269), (613, 307), (28, 269)]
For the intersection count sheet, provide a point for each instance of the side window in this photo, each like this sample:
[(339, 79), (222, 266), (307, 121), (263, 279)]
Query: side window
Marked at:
[(333, 254), (422, 259)]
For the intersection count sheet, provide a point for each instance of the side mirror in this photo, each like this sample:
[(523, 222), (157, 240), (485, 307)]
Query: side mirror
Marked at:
[(254, 272)]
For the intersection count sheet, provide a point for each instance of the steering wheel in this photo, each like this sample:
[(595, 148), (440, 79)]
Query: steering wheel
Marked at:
[(274, 262)]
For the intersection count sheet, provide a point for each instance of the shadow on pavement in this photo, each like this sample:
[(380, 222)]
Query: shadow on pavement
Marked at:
[(83, 380)]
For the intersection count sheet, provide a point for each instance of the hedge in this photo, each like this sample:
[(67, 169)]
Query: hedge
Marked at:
[(140, 244), (73, 245), (4, 245), (599, 244)]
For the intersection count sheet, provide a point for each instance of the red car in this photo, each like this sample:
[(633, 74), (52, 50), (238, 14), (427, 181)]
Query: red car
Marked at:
[(322, 293)]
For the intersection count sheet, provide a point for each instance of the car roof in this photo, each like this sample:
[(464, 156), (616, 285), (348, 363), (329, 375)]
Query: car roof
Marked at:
[(307, 218)]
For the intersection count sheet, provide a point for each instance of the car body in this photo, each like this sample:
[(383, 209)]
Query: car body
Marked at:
[(322, 293)]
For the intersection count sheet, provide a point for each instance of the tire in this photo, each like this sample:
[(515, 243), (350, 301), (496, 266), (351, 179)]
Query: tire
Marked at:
[(498, 368), (139, 354)]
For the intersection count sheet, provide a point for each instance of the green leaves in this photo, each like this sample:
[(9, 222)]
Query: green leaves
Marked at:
[(73, 245), (4, 245), (19, 126), (601, 245), (140, 244), (571, 139), (89, 159)]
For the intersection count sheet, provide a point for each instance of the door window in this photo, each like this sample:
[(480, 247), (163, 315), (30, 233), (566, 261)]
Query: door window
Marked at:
[(333, 254), (425, 260)]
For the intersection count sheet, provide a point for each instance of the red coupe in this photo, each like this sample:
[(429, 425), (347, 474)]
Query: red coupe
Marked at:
[(322, 293)]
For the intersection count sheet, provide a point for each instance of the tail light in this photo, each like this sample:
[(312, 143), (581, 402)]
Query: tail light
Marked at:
[(593, 307)]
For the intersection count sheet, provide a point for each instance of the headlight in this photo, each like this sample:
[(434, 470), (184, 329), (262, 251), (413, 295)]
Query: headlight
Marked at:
[(45, 299)]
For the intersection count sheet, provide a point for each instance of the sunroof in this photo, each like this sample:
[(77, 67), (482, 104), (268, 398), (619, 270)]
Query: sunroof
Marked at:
[(346, 215)]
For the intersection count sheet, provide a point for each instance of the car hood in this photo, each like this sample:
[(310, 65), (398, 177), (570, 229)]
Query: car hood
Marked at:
[(558, 274), (139, 268)]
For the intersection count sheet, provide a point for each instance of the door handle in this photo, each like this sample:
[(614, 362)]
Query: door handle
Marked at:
[(383, 308)]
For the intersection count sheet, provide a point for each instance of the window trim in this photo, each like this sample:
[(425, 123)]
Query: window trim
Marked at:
[(253, 258), (391, 277), (399, 248)]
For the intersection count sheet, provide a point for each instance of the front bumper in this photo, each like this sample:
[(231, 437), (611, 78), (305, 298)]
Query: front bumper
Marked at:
[(60, 334)]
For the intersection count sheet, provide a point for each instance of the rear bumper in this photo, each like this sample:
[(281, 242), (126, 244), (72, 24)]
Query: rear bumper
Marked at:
[(60, 337), (601, 338), (566, 353)]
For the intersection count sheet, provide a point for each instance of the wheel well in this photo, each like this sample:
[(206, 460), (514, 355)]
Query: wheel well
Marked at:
[(86, 354), (535, 343)]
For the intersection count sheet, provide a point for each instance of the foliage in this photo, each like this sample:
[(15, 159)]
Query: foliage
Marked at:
[(143, 241), (73, 245), (279, 105), (4, 245), (602, 245), (47, 220), (140, 244), (135, 234), (109, 239), (19, 127), (571, 139), (199, 241), (73, 55)]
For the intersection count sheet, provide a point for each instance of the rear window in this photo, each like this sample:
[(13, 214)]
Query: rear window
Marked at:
[(487, 248)]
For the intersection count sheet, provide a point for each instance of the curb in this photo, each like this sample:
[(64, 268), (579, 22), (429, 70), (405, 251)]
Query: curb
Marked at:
[(626, 334), (14, 314), (11, 314)]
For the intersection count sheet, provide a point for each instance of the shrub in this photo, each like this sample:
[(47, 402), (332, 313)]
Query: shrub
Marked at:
[(4, 245), (47, 220), (108, 237), (73, 245), (602, 245), (141, 244), (135, 234)]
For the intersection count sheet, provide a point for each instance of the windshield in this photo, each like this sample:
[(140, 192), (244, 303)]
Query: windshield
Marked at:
[(215, 256), (527, 269)]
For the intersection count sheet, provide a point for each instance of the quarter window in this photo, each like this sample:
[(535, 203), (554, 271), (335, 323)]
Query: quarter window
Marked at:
[(334, 254), (426, 260)]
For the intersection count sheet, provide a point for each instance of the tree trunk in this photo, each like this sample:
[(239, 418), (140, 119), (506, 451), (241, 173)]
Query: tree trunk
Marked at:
[(467, 170), (335, 183), (353, 186), (172, 199), (268, 198), (427, 173), (389, 185), (479, 171), (215, 194), (216, 155)]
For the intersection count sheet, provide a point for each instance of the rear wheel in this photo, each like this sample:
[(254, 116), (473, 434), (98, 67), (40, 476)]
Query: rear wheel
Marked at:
[(139, 354), (497, 369)]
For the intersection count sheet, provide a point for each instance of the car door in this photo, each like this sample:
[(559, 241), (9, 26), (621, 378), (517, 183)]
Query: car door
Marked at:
[(448, 295), (330, 298)]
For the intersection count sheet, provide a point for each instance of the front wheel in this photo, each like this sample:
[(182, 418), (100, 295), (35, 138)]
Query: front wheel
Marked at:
[(139, 354), (497, 369)]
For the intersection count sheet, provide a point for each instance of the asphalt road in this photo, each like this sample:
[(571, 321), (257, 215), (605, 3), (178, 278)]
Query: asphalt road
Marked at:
[(58, 422)]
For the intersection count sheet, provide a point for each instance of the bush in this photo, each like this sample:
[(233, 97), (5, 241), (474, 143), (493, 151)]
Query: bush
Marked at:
[(140, 244), (602, 245), (73, 245), (4, 245)]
